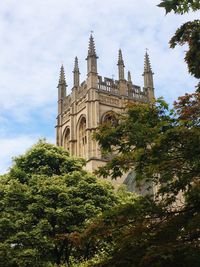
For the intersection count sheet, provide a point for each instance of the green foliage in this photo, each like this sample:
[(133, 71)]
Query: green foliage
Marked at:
[(137, 128), (180, 6), (43, 158), (153, 140), (46, 199), (163, 147)]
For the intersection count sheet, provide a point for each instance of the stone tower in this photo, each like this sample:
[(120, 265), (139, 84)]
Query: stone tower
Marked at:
[(93, 101)]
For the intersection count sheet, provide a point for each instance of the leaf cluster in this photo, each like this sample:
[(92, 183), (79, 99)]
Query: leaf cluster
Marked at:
[(180, 6)]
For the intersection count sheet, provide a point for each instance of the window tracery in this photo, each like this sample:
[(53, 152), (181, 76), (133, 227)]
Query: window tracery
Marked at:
[(67, 139), (82, 137), (110, 117)]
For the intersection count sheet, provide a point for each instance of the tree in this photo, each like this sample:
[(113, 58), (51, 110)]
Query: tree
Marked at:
[(46, 198), (163, 147)]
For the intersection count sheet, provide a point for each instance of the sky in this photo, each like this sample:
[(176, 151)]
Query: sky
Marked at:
[(36, 37)]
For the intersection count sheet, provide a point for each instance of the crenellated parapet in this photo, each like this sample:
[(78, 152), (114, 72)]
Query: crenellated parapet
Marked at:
[(112, 87), (108, 85)]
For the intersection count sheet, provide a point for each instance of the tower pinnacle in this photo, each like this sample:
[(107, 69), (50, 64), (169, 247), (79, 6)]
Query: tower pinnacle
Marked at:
[(148, 77), (76, 68), (91, 57), (76, 72), (62, 80), (91, 48), (62, 88), (120, 65), (120, 58), (129, 77), (147, 64)]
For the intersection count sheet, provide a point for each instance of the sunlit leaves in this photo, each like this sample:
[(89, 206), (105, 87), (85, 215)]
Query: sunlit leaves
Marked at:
[(44, 199)]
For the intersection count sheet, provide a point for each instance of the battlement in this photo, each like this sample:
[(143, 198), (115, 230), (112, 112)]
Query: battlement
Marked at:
[(112, 87), (107, 86)]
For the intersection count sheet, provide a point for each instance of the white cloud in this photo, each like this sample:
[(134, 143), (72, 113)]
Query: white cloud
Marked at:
[(37, 35)]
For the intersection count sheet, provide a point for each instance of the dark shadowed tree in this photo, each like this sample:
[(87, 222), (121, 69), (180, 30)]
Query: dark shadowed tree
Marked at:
[(163, 147)]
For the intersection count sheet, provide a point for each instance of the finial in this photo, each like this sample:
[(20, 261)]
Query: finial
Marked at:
[(91, 48), (129, 77), (148, 76), (76, 72), (62, 76), (120, 58), (76, 67), (147, 64), (120, 54)]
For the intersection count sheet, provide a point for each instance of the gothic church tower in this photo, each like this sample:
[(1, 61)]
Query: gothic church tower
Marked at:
[(94, 101)]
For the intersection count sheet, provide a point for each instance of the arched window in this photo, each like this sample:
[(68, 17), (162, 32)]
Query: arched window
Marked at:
[(67, 139), (82, 137), (110, 120), (109, 117)]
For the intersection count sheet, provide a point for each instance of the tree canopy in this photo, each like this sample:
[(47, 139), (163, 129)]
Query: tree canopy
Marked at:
[(46, 198)]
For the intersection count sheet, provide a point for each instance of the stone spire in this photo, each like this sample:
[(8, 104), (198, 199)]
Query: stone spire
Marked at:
[(129, 77), (62, 85), (120, 65), (62, 80), (91, 57), (148, 73), (147, 64), (76, 73), (91, 48), (148, 78)]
